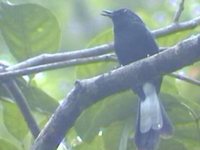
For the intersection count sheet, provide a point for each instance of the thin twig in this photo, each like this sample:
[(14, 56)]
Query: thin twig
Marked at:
[(177, 27), (184, 78), (11, 86), (51, 58), (14, 90), (56, 65), (179, 11)]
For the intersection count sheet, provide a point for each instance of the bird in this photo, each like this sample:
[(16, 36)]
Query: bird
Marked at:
[(133, 41)]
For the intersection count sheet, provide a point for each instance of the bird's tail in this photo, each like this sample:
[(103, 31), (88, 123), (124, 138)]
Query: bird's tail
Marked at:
[(152, 120)]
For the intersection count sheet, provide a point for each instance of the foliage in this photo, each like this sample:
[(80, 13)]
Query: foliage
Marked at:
[(36, 27)]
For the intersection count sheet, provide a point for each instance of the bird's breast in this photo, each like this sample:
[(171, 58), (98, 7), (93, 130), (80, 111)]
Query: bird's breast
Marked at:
[(130, 46)]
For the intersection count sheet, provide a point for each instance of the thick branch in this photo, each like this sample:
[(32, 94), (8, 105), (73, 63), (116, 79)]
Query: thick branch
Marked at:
[(89, 91)]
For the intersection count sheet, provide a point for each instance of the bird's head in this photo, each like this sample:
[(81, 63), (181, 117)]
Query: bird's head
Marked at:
[(122, 16)]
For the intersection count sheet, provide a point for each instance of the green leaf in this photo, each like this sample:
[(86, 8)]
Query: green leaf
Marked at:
[(5, 135), (102, 38), (174, 108), (3, 92), (169, 85), (187, 129), (7, 145), (172, 144), (118, 134), (174, 38), (114, 108), (14, 120), (96, 144), (59, 81), (93, 69), (71, 137), (37, 98), (29, 30), (189, 91)]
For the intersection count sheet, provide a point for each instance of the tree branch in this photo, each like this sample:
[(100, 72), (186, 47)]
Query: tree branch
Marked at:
[(89, 91), (56, 65), (99, 50), (79, 61), (52, 58), (184, 78), (13, 89), (177, 27), (179, 11)]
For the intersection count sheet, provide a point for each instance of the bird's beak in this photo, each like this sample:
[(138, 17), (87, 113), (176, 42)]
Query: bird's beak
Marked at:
[(107, 13)]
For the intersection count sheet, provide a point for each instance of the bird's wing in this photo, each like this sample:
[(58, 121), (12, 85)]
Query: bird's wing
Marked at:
[(151, 44)]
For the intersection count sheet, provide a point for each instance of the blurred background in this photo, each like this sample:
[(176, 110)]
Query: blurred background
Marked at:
[(77, 24), (80, 22)]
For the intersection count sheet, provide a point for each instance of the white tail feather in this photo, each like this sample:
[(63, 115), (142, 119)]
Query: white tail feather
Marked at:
[(150, 111)]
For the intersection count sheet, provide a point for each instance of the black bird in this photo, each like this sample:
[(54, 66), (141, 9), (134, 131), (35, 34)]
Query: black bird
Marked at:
[(132, 42)]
